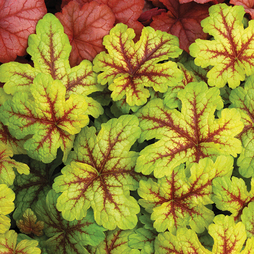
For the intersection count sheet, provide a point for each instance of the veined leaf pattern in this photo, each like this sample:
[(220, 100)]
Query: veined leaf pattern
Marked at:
[(231, 51), (100, 173), (189, 135), (129, 68), (47, 116)]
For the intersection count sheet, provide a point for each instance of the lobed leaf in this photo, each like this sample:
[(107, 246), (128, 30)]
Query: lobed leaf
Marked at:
[(189, 135), (35, 186), (177, 201), (228, 236), (182, 20), (116, 241), (232, 195), (18, 21), (242, 98), (130, 67), (86, 26), (8, 244), (48, 117), (64, 236), (185, 241), (99, 173), (7, 197), (231, 51), (247, 218), (28, 224), (7, 164), (50, 50)]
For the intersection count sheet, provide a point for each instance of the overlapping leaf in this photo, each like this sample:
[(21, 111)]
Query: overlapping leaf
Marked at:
[(189, 135), (6, 139), (232, 195), (170, 97), (50, 50), (182, 20), (129, 68), (7, 197), (51, 120), (86, 26), (228, 238), (231, 51), (7, 164), (99, 173), (243, 99), (65, 236), (248, 6), (116, 241), (8, 244), (18, 21), (177, 201), (185, 241), (35, 186)]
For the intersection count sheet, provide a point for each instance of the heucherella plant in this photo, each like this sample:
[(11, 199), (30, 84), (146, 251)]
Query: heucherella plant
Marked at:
[(231, 51), (147, 149)]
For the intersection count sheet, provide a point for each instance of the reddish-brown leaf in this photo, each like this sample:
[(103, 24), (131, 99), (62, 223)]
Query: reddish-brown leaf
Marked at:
[(80, 2), (247, 4), (127, 12), (183, 21), (85, 27), (146, 17), (17, 21)]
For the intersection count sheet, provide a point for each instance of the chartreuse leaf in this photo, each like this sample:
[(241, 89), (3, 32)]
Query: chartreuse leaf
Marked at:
[(50, 50), (129, 68), (170, 97), (7, 164), (232, 195), (65, 236), (51, 120), (248, 219), (6, 139), (116, 241), (177, 201), (228, 236), (189, 135), (8, 244), (7, 197), (243, 99), (185, 241), (100, 173), (231, 51)]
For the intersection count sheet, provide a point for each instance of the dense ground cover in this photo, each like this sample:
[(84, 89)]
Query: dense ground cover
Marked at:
[(126, 127)]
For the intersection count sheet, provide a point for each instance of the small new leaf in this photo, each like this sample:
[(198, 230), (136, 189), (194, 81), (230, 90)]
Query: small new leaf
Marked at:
[(28, 224), (231, 51), (129, 68), (51, 120)]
